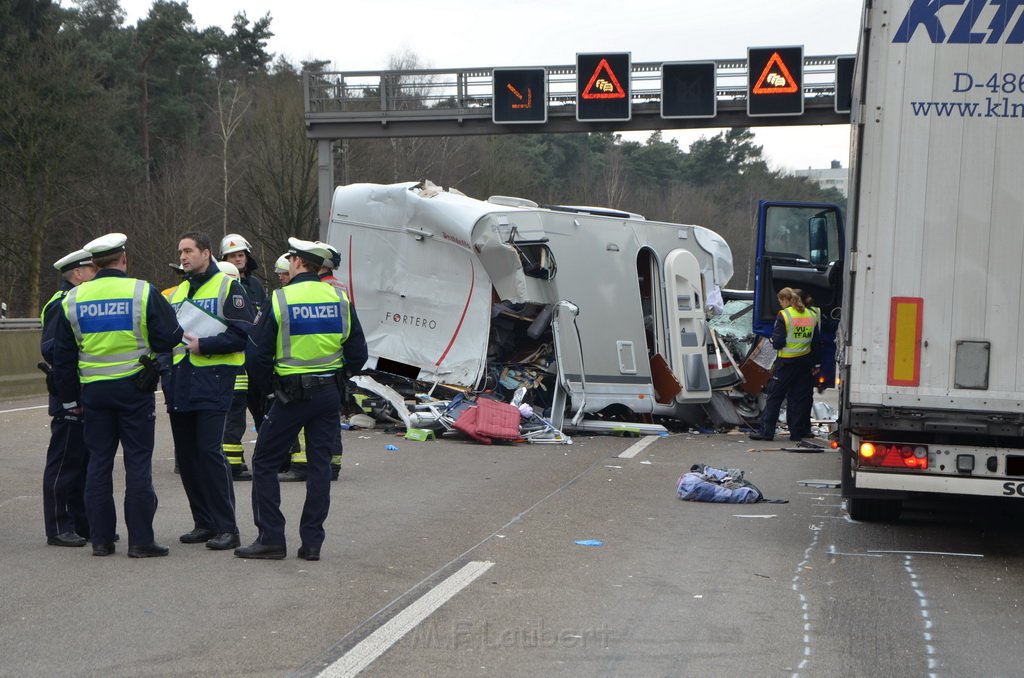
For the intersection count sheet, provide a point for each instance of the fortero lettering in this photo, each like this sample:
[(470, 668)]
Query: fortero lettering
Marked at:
[(99, 309), (413, 320), (966, 27)]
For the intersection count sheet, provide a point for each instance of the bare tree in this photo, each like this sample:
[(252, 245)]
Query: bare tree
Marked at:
[(229, 110)]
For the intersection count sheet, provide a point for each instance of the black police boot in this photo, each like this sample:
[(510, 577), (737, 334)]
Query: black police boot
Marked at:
[(296, 473)]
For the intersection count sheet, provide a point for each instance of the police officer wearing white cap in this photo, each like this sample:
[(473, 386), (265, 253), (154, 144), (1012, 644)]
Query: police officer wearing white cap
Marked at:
[(103, 362), (66, 456), (327, 275), (199, 395), (306, 338)]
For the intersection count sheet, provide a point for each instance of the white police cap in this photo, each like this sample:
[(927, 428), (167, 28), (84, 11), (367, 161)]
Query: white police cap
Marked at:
[(73, 260), (111, 243), (313, 252), (281, 265), (230, 270), (333, 261)]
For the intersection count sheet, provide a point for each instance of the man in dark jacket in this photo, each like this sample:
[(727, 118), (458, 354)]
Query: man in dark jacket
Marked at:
[(66, 456), (200, 390), (305, 339), (103, 356)]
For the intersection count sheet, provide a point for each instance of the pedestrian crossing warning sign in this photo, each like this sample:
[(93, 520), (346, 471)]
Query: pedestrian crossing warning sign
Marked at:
[(775, 81), (602, 87), (603, 84)]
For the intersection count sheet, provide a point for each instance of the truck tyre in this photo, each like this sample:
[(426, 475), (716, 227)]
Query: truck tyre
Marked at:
[(874, 510)]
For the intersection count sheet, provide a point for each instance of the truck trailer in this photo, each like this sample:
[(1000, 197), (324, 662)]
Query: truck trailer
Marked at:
[(931, 335)]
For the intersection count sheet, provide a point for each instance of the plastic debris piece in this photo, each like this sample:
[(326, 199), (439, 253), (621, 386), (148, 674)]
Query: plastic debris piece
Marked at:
[(645, 462), (818, 483), (589, 542), (420, 434), (391, 448)]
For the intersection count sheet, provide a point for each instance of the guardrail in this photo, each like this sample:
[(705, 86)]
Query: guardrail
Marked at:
[(19, 346), (20, 324)]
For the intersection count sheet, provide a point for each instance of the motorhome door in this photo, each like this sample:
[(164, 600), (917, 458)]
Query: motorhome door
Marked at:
[(687, 326)]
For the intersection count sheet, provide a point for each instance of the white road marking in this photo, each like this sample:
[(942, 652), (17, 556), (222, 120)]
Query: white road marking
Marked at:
[(25, 496), (637, 447), (931, 553), (43, 407), (927, 636), (378, 642), (815, 529), (24, 409)]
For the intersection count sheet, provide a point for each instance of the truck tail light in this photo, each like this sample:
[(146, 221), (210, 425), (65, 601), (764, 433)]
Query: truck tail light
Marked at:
[(893, 455)]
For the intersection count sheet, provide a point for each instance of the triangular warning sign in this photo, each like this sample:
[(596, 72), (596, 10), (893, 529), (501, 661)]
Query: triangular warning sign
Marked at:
[(778, 81), (603, 86)]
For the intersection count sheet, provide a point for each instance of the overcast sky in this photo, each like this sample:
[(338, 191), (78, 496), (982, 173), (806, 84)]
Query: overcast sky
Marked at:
[(484, 33)]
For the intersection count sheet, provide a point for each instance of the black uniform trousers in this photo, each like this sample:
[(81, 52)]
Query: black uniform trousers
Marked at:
[(791, 380), (319, 416), (205, 474), (118, 412), (234, 424), (64, 478)]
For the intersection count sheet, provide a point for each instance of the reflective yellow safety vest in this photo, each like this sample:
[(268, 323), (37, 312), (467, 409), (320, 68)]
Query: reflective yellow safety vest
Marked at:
[(108, 317), (314, 319), (211, 297), (59, 294), (816, 312), (799, 332)]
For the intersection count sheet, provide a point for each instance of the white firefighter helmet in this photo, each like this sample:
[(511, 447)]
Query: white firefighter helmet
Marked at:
[(233, 242), (230, 270)]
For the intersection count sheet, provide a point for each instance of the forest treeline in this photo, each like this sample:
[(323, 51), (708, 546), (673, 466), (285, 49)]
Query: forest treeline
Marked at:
[(163, 127)]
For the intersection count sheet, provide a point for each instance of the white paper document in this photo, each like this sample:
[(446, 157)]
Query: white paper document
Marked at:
[(198, 322)]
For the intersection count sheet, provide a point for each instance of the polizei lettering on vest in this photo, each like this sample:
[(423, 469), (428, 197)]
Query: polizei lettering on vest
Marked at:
[(307, 311), (98, 309), (964, 26)]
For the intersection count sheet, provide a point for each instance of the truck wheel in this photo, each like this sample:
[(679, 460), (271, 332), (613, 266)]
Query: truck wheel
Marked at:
[(874, 510)]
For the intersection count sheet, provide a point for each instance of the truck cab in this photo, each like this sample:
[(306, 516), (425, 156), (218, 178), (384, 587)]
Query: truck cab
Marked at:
[(800, 245)]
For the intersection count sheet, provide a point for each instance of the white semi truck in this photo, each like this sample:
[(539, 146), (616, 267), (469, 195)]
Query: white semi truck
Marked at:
[(931, 335)]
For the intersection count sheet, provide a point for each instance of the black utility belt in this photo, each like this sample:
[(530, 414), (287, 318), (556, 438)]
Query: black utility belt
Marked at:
[(309, 380), (301, 386)]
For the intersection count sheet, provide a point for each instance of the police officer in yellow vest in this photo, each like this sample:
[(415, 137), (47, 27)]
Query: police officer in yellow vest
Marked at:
[(200, 390), (297, 464), (795, 337), (106, 337), (305, 337), (66, 456)]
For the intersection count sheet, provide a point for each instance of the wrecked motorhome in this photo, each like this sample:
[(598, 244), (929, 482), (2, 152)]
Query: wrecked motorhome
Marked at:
[(586, 312)]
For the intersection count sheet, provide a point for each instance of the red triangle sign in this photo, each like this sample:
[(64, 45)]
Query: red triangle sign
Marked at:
[(779, 81), (607, 86)]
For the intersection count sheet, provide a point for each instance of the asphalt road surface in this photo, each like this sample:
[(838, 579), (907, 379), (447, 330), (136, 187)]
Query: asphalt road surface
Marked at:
[(450, 558)]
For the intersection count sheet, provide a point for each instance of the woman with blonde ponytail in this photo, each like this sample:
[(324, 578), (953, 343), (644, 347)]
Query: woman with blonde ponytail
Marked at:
[(795, 337)]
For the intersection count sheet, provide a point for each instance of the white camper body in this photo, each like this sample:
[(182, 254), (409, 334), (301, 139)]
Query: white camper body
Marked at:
[(428, 270), (933, 326)]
